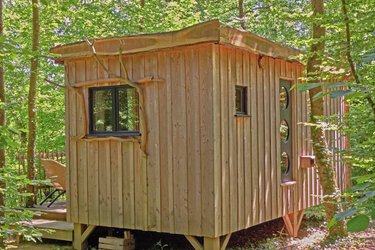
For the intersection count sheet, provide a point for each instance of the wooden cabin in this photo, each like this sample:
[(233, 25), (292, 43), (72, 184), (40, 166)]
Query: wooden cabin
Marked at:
[(193, 132)]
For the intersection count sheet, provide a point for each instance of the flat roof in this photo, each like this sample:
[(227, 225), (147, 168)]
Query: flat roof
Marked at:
[(211, 31)]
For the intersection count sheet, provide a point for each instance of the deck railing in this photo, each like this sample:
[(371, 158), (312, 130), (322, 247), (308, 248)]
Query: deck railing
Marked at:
[(54, 155)]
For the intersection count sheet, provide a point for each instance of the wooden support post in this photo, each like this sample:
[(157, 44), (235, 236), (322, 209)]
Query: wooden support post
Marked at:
[(218, 243), (81, 233), (194, 242), (211, 243), (293, 222), (224, 242)]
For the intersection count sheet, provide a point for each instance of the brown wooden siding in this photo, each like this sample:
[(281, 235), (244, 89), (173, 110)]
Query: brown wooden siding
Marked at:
[(207, 172), (111, 183), (251, 190)]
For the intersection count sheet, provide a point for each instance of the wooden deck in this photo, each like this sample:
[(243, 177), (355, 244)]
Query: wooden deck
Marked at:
[(56, 212), (53, 222), (60, 230)]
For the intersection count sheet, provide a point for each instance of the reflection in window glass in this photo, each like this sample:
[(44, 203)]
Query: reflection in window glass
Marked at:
[(114, 110), (241, 102), (102, 110), (128, 109), (284, 163), (284, 131), (284, 98)]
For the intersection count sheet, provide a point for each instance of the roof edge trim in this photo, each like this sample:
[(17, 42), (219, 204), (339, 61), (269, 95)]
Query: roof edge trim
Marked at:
[(210, 31)]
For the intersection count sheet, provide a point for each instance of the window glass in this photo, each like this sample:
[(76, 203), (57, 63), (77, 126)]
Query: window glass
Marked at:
[(285, 128), (128, 109), (285, 164), (114, 110), (241, 100), (102, 110), (284, 98), (284, 131)]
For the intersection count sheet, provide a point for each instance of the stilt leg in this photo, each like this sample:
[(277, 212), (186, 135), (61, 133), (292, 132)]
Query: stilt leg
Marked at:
[(293, 222), (211, 243), (77, 241), (81, 233), (218, 243)]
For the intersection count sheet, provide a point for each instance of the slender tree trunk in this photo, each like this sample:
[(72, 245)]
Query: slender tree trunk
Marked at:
[(2, 121), (142, 18), (348, 51), (2, 97), (31, 171), (326, 172), (241, 14)]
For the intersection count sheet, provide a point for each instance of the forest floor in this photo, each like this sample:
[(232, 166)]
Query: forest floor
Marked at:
[(269, 235)]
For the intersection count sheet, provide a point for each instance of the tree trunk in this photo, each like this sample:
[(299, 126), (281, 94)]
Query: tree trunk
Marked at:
[(142, 17), (2, 121), (241, 14), (31, 171), (348, 52), (323, 156)]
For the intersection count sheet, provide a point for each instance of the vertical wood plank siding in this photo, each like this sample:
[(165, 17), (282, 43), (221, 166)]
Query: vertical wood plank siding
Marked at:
[(208, 172), (111, 183), (251, 172)]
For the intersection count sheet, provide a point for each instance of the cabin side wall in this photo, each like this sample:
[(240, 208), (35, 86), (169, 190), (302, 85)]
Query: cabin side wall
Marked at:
[(247, 148), (111, 182)]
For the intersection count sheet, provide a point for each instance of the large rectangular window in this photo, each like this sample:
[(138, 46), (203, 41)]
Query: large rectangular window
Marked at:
[(114, 110)]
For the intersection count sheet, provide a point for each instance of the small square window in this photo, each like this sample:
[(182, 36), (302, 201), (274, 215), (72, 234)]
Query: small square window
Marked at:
[(241, 100), (114, 110)]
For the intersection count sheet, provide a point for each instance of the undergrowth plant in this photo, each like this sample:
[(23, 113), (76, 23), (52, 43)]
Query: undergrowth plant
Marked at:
[(15, 219)]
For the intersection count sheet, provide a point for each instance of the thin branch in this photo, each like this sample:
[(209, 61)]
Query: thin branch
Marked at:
[(241, 14), (349, 56), (136, 85), (93, 50), (54, 83), (121, 62)]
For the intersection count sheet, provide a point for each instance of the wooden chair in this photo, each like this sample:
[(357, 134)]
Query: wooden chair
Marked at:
[(57, 173)]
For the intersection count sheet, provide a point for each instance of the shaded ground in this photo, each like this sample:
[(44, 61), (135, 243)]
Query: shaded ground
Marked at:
[(272, 235), (269, 235)]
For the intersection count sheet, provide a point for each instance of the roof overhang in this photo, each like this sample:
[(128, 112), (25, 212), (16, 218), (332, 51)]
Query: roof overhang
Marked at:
[(211, 31)]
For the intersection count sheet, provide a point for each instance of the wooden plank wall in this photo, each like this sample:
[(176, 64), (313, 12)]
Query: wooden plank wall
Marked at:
[(248, 147), (111, 183), (207, 173)]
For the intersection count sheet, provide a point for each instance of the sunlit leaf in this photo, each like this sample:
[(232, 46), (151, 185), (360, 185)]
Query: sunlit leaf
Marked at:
[(319, 95), (340, 93), (307, 86), (367, 196), (358, 187), (337, 84), (358, 223), (345, 214), (363, 178), (332, 222)]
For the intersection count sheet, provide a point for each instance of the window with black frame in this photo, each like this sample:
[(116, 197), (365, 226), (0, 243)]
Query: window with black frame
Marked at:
[(114, 110)]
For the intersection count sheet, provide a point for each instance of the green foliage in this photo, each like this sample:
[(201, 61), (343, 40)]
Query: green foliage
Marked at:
[(359, 123), (16, 220), (361, 203), (315, 214), (358, 223), (288, 22)]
